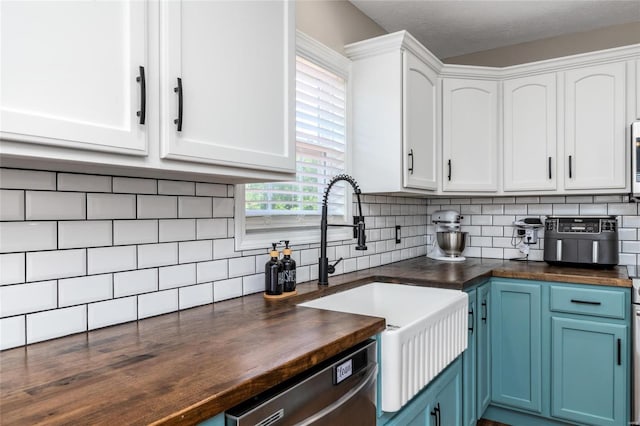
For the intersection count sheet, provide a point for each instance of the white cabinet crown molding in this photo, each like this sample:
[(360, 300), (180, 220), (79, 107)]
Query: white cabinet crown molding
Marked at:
[(391, 43)]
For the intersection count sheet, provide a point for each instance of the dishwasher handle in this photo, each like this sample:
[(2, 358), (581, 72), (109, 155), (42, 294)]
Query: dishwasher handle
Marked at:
[(369, 378)]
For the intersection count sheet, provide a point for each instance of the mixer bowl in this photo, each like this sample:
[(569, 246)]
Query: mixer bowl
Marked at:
[(452, 243)]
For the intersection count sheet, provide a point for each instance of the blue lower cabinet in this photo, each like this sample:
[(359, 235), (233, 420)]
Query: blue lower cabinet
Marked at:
[(588, 366), (440, 404), (483, 350), (469, 369), (214, 421), (516, 345)]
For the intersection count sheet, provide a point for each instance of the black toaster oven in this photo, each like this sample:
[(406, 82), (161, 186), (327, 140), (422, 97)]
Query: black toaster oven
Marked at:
[(581, 241)]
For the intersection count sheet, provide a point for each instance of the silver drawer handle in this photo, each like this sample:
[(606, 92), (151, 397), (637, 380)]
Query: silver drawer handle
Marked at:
[(594, 252), (559, 250)]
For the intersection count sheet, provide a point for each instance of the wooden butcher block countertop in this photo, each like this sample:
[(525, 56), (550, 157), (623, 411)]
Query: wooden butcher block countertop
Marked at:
[(184, 367)]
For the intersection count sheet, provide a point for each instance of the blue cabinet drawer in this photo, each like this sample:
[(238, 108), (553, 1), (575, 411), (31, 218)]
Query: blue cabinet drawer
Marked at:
[(588, 301)]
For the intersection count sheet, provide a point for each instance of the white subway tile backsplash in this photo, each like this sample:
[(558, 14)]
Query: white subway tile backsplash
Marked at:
[(92, 233), (577, 199), (111, 259), (157, 303), (12, 332), (224, 248), (93, 288), (27, 236), (211, 228), (227, 289), (60, 322), (12, 268), (241, 266), (27, 179), (620, 209), (211, 189), (157, 255), (135, 185), (492, 231), (630, 221), (593, 209), (47, 265), (48, 205), (223, 207), (11, 204), (135, 282), (117, 311), (195, 295), (482, 220), (212, 271), (253, 284), (111, 206), (194, 207), (631, 246), (84, 183), (157, 207), (172, 187), (135, 232), (515, 209), (177, 230), (24, 298), (177, 276), (540, 209), (628, 234), (195, 251), (566, 209)]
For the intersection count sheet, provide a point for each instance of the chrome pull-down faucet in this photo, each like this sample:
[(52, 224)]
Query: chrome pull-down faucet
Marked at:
[(324, 269)]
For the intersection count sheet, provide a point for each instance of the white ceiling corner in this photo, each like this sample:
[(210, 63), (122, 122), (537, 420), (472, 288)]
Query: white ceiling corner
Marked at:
[(456, 27)]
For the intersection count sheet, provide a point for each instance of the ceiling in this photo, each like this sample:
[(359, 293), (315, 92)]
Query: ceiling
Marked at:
[(456, 27)]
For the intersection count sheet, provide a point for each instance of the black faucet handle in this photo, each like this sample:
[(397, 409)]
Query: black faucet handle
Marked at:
[(362, 238), (332, 268)]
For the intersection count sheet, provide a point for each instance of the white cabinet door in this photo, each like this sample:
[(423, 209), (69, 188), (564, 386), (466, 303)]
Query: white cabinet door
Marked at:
[(68, 73), (595, 127), (236, 63), (638, 89), (419, 126), (529, 161), (469, 135)]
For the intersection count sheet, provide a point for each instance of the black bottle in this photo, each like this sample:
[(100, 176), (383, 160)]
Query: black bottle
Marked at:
[(273, 277), (288, 269)]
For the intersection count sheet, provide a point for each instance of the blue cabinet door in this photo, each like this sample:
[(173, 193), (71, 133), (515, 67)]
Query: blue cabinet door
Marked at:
[(469, 413), (483, 351), (517, 345), (449, 402), (588, 364)]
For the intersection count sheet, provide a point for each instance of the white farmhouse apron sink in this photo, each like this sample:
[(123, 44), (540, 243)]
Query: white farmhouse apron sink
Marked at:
[(426, 330)]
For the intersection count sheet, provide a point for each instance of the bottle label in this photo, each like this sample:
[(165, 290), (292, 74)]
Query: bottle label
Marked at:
[(281, 278), (290, 276)]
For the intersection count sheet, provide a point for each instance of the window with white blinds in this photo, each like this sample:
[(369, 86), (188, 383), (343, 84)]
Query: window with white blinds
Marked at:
[(320, 154)]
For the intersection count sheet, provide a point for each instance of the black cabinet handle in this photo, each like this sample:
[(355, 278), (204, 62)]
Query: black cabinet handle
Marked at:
[(619, 351), (549, 167), (143, 95), (411, 155), (484, 315), (436, 413), (449, 164), (472, 319), (178, 90), (570, 167), (585, 302)]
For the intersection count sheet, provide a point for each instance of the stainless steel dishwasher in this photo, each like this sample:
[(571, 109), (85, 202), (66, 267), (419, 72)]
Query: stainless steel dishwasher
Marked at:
[(340, 391)]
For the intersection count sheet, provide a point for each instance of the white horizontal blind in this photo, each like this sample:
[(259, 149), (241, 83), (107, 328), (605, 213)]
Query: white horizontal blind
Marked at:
[(320, 155)]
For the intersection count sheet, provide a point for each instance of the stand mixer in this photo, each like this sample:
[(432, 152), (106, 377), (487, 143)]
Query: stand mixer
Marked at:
[(449, 242)]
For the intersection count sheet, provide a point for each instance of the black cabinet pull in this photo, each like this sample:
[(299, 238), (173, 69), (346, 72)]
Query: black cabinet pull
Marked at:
[(436, 413), (449, 164), (411, 155), (484, 306), (472, 319), (619, 351), (570, 167), (178, 90), (549, 167), (143, 95), (585, 302)]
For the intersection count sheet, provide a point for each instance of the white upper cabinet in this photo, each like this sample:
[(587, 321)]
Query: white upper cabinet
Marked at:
[(395, 115), (529, 111), (469, 135), (595, 143), (68, 74), (638, 89), (227, 80), (419, 129)]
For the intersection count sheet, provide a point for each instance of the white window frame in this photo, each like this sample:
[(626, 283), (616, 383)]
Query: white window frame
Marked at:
[(328, 58)]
